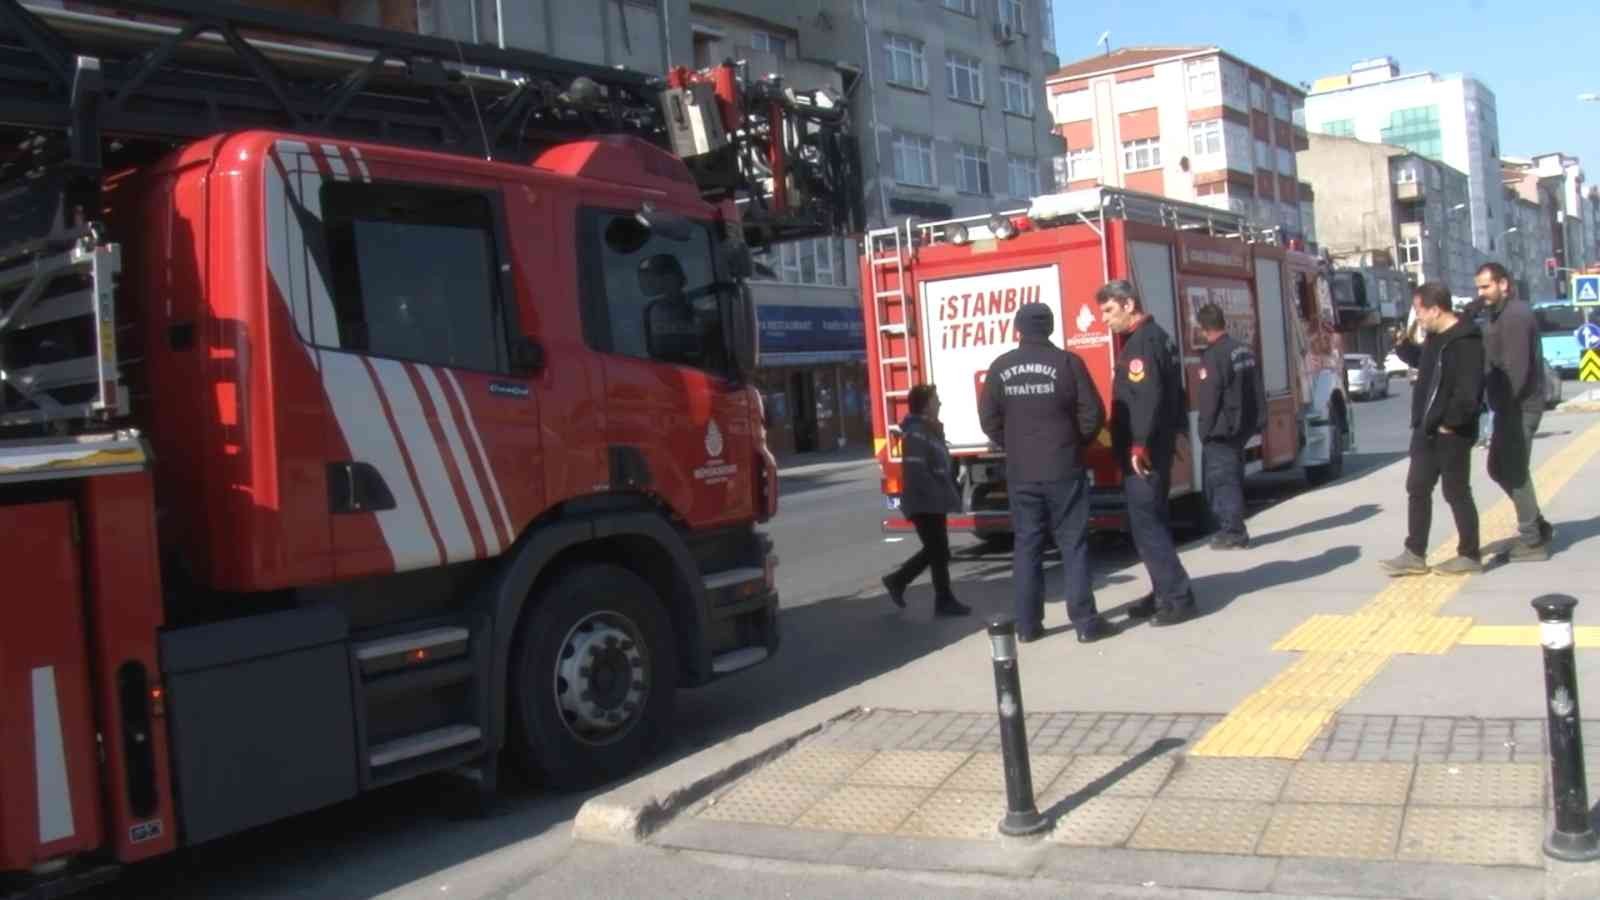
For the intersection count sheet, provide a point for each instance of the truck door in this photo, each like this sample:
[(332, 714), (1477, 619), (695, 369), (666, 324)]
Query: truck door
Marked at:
[(1280, 441), (411, 303), (1154, 277), (677, 425)]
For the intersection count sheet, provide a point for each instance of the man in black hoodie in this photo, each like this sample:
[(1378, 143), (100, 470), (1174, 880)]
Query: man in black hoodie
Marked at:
[(1444, 426), (1040, 406)]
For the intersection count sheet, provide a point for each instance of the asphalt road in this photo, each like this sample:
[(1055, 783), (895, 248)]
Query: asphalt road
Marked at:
[(423, 838)]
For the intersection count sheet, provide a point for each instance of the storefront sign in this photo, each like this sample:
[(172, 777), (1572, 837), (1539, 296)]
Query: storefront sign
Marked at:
[(811, 329), (1203, 254)]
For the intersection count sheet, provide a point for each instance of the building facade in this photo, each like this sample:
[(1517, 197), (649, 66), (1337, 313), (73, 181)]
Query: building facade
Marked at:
[(1535, 228), (1379, 202), (1191, 123), (1450, 119)]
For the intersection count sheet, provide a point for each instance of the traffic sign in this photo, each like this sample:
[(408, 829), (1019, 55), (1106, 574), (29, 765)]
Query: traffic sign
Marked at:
[(1589, 369), (1586, 290), (1588, 335)]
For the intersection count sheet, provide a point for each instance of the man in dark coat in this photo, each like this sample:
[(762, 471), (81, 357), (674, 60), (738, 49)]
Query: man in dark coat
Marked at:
[(1515, 389), (1041, 407), (1232, 410), (1147, 415), (1444, 426), (928, 493)]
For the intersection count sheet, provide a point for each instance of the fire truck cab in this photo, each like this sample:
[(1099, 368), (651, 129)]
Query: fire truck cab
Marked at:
[(938, 298), (371, 405)]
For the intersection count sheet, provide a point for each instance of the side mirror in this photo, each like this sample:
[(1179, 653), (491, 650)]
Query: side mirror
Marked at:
[(527, 356), (744, 334), (740, 263), (669, 225)]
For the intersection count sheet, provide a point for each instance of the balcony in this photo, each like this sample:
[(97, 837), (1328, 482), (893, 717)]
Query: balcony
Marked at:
[(1408, 192)]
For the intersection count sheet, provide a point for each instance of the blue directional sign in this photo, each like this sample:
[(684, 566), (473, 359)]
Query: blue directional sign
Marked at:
[(1586, 290), (1588, 335)]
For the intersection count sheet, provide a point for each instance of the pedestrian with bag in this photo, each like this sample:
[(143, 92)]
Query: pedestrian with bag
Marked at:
[(1515, 391), (1444, 426), (1147, 415), (1233, 409), (928, 494), (1040, 405)]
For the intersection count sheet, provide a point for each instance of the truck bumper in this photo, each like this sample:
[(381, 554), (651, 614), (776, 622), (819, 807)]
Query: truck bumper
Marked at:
[(741, 616)]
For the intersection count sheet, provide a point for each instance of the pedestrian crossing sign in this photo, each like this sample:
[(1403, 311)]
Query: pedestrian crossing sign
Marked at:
[(1586, 290)]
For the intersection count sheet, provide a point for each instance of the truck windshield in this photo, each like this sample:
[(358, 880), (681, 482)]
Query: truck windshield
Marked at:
[(1558, 319)]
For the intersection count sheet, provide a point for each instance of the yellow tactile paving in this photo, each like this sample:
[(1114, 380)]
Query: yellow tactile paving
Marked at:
[(1584, 637), (1343, 653)]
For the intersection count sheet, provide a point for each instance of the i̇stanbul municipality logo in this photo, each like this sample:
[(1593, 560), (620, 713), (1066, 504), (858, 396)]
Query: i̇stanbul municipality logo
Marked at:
[(713, 439)]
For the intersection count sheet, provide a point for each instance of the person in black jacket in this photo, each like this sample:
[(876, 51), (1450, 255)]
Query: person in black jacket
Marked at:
[(1514, 388), (1233, 409), (1040, 406), (927, 494), (1444, 426), (1147, 415)]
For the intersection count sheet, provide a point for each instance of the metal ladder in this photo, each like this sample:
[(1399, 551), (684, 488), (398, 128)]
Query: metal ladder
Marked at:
[(887, 262)]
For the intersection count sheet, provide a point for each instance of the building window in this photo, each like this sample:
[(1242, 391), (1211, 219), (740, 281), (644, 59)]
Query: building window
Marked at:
[(913, 160), (906, 64), (769, 43), (1017, 91), (1417, 130), (1258, 97), (1011, 15), (965, 76), (1339, 128), (972, 169), (1141, 154), (1046, 9), (1285, 161), (1280, 105), (1410, 250), (1024, 176), (969, 7), (648, 296), (1205, 137), (1202, 84), (1405, 176), (1263, 155), (415, 275), (820, 262), (1077, 165)]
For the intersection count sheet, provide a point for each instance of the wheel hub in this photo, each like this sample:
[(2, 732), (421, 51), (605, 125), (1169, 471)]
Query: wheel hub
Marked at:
[(601, 678)]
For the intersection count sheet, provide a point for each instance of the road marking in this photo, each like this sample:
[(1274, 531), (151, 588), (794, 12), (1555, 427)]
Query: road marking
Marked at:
[(1585, 637), (1341, 654)]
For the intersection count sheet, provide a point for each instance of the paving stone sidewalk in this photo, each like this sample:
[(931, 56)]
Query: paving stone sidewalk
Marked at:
[(1375, 788)]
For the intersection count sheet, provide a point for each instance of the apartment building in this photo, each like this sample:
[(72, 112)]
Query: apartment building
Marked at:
[(1451, 119), (1190, 122), (1382, 202), (1535, 227)]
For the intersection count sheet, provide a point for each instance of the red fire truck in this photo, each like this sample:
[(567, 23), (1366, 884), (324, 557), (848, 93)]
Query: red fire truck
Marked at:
[(370, 404), (938, 300)]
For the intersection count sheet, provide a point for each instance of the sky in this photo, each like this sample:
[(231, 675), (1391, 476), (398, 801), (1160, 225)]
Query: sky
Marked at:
[(1535, 60)]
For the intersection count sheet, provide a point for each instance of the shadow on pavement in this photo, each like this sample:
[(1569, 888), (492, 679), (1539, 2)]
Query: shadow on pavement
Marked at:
[(1570, 534), (1349, 517), (1095, 788), (1214, 593)]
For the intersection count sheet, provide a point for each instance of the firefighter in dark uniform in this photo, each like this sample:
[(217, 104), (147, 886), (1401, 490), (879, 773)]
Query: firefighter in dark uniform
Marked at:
[(1147, 415), (1039, 404), (1232, 411)]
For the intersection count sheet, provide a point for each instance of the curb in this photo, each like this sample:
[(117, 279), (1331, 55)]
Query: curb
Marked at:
[(631, 813)]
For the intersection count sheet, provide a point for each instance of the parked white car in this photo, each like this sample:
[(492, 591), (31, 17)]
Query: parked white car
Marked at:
[(1394, 365), (1364, 377)]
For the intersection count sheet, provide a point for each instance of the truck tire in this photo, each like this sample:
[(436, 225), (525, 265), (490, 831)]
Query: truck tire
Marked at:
[(593, 678), (1317, 476)]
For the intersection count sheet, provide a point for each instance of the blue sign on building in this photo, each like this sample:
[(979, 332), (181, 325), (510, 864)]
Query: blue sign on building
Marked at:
[(820, 333)]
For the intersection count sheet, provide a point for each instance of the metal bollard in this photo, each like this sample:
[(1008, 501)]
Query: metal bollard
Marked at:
[(1573, 839), (1022, 815)]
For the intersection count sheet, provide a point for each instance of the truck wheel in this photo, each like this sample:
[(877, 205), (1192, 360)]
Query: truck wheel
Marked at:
[(1320, 475), (593, 677)]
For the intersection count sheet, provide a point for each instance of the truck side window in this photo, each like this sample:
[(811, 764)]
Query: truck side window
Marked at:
[(651, 297), (413, 274)]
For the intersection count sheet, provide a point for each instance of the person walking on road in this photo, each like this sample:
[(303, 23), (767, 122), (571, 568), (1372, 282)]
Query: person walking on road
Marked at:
[(1232, 410), (1147, 414), (1515, 390), (1444, 426), (1039, 405), (928, 494)]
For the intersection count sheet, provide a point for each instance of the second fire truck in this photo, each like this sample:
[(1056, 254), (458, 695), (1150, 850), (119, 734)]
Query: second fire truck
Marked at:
[(938, 300)]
